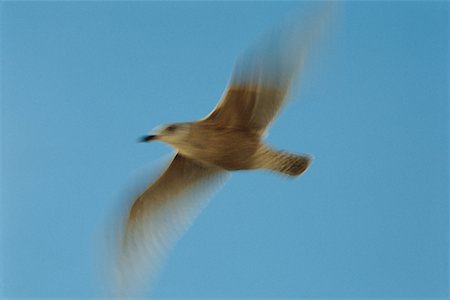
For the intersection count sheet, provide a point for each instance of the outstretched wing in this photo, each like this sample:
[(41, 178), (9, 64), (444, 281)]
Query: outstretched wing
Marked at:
[(159, 217), (263, 75)]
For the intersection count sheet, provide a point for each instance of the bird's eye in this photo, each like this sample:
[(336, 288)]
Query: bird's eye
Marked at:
[(171, 128)]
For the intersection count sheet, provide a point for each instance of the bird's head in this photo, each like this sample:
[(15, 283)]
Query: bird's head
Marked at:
[(172, 134)]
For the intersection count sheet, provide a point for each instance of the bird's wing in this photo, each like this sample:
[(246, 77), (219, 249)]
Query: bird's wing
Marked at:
[(159, 217), (263, 75)]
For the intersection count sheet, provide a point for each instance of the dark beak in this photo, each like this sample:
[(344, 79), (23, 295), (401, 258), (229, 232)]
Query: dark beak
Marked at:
[(147, 138)]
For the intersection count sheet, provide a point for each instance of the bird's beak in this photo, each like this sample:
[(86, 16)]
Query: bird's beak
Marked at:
[(147, 138)]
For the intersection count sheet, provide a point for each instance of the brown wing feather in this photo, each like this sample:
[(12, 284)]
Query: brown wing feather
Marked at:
[(259, 86), (263, 76), (181, 175), (247, 107), (159, 217)]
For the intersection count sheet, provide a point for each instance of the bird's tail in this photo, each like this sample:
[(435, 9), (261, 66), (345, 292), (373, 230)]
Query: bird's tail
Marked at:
[(283, 162)]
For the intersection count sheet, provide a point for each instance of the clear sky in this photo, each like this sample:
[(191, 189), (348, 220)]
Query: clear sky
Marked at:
[(81, 81)]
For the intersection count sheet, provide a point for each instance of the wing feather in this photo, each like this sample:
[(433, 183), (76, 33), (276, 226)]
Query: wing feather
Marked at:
[(263, 75), (159, 217)]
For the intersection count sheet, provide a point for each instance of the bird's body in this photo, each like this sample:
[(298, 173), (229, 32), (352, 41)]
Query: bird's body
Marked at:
[(233, 149), (227, 148), (230, 138)]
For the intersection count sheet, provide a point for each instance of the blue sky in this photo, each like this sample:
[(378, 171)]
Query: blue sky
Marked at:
[(82, 80)]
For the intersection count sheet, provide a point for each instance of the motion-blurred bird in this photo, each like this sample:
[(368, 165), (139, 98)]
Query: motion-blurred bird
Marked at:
[(229, 138)]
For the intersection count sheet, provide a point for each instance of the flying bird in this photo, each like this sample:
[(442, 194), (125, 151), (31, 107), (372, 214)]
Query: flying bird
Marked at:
[(230, 138)]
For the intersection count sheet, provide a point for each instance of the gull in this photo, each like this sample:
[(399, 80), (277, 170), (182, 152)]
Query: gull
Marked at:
[(230, 138)]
